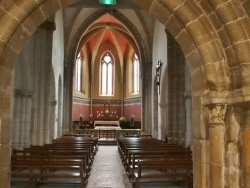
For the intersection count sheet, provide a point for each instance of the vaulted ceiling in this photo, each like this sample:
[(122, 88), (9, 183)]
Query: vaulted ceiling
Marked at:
[(107, 29)]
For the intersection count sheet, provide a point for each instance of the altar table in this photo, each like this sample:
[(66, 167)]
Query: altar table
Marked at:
[(107, 123)]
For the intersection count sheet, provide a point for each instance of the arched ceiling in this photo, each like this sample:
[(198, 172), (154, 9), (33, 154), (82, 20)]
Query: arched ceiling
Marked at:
[(107, 29)]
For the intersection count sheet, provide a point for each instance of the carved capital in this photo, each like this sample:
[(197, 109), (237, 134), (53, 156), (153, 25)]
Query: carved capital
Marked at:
[(48, 26), (215, 113)]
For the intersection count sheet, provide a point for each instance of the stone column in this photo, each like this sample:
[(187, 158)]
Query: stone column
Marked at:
[(216, 114), (163, 121), (245, 154), (68, 88), (52, 119), (42, 69), (233, 123)]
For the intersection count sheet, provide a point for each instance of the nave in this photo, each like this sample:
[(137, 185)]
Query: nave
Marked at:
[(107, 172)]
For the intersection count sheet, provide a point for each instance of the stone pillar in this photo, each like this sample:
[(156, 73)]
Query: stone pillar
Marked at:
[(16, 122), (245, 154), (163, 121), (52, 120), (68, 88), (216, 114), (6, 91), (233, 121), (21, 119), (42, 69)]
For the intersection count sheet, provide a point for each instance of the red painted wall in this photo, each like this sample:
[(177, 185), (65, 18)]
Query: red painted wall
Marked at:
[(133, 109), (78, 109)]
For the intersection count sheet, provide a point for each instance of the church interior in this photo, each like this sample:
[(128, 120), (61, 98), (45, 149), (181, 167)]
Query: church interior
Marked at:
[(151, 74)]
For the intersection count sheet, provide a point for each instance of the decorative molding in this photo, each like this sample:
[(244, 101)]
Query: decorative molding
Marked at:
[(77, 100), (103, 101), (215, 113), (132, 101)]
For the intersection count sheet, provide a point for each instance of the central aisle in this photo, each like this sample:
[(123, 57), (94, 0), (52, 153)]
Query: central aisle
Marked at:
[(107, 170)]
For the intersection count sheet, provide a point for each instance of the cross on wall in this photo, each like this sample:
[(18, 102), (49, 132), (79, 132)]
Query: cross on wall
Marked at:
[(158, 75)]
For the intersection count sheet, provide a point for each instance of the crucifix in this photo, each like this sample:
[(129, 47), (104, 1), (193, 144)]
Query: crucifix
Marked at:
[(158, 74)]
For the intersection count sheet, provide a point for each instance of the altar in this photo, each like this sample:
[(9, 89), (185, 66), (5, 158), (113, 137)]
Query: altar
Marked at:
[(107, 125)]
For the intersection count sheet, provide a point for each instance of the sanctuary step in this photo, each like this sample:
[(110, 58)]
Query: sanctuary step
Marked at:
[(107, 142)]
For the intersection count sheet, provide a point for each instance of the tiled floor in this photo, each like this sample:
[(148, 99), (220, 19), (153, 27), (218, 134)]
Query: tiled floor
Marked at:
[(107, 172)]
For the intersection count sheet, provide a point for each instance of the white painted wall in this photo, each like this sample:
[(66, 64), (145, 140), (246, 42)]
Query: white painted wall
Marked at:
[(159, 53), (58, 67)]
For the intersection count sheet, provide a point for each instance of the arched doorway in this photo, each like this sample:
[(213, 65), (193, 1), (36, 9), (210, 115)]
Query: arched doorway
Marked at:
[(211, 49)]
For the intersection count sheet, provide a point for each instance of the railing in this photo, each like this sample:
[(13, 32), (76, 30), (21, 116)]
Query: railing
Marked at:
[(107, 134)]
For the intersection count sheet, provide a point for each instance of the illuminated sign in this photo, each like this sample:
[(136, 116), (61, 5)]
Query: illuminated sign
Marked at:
[(107, 2)]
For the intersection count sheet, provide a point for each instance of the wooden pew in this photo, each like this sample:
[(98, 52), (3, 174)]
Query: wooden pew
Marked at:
[(56, 160), (51, 154), (77, 140), (163, 171), (34, 169), (58, 147), (150, 154), (141, 156), (133, 165)]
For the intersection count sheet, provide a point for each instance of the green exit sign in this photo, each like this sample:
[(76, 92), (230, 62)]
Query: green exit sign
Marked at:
[(107, 2)]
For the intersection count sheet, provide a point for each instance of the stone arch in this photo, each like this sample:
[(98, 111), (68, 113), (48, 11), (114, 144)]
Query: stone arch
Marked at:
[(185, 20)]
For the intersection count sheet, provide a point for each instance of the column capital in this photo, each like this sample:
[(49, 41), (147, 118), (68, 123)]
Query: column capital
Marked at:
[(215, 113), (48, 26)]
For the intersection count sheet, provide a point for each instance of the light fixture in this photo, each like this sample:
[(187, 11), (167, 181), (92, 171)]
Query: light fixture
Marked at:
[(107, 2)]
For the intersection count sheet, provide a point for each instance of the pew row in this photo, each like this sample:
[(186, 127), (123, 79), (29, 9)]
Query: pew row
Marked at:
[(65, 158), (152, 160)]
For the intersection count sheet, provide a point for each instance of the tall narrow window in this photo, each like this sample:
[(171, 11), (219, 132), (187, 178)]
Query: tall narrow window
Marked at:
[(135, 72), (107, 75), (78, 75)]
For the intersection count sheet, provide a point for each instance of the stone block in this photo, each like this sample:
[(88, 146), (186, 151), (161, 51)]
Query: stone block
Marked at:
[(157, 10), (236, 34), (232, 165), (200, 151), (216, 176), (242, 51), (9, 58), (8, 24), (50, 7), (245, 71), (187, 11), (199, 177), (65, 3), (5, 80), (193, 60), (5, 130), (199, 81), (5, 177), (185, 42), (19, 38), (174, 26), (216, 139), (4, 156), (199, 31)]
